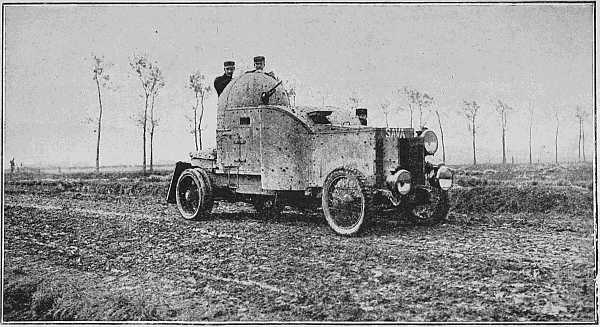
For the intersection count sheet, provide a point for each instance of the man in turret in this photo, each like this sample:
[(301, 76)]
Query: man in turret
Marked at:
[(222, 81), (259, 65)]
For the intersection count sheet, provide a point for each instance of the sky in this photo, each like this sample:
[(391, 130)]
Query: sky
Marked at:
[(538, 55)]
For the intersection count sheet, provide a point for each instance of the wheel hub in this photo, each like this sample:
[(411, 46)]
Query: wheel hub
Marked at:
[(188, 195)]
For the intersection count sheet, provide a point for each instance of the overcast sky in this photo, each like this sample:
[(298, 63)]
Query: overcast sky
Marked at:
[(538, 54)]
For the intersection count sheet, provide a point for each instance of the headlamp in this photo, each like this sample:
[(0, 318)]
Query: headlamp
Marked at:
[(399, 181), (445, 177), (430, 141)]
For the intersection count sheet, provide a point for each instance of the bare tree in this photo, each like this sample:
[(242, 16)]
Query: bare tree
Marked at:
[(354, 101), (385, 106), (503, 109), (531, 111), (423, 103), (436, 110), (201, 88), (150, 78), (470, 111), (400, 107), (321, 94), (102, 79), (557, 118), (581, 115), (417, 100), (406, 93), (153, 119)]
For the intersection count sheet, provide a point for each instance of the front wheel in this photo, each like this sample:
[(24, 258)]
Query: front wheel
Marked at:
[(432, 207), (194, 194), (344, 201)]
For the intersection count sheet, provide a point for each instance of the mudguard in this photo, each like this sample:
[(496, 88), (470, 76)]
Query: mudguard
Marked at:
[(180, 166)]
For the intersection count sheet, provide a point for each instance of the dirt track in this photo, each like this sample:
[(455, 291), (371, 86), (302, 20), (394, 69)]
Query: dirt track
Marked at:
[(82, 256)]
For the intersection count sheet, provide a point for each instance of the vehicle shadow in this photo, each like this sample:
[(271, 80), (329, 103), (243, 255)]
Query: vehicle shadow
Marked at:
[(391, 224), (379, 224), (288, 216)]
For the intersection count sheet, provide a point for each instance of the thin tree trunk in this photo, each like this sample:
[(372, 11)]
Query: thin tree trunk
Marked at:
[(582, 141), (99, 125), (410, 109), (144, 122), (556, 144), (530, 128), (200, 121), (442, 134), (503, 146), (152, 133), (386, 121), (151, 149), (503, 115), (530, 162), (579, 143), (474, 156), (196, 122)]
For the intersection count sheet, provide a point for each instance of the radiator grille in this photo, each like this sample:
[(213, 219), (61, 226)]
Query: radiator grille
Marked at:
[(411, 156), (379, 156)]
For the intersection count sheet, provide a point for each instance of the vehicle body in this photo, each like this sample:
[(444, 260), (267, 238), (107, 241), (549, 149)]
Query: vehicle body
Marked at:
[(271, 154)]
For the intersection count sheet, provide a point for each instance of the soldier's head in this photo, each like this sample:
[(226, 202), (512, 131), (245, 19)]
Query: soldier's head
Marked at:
[(259, 62), (229, 68), (361, 113)]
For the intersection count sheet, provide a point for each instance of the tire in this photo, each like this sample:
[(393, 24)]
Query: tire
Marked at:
[(210, 195), (344, 201), (433, 211), (194, 194)]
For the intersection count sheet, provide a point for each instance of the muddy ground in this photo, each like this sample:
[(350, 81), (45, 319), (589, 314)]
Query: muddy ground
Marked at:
[(524, 252)]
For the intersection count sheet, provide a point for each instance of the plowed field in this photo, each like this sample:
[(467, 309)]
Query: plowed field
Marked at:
[(121, 253)]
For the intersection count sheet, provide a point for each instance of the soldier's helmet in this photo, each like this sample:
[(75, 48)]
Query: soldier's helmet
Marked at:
[(245, 91)]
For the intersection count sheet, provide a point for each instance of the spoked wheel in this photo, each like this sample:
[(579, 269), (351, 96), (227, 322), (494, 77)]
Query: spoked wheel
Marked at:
[(267, 206), (194, 194), (433, 206), (344, 201)]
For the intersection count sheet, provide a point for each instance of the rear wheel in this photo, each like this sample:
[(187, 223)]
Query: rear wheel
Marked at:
[(432, 208), (194, 194), (344, 201)]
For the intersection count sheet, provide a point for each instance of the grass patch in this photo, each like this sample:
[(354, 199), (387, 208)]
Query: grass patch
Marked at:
[(69, 295), (514, 199)]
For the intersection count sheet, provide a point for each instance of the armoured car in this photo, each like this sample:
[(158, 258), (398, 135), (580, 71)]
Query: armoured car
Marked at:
[(272, 154)]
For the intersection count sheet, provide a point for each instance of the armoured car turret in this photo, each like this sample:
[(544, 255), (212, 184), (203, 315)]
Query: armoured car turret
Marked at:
[(272, 154)]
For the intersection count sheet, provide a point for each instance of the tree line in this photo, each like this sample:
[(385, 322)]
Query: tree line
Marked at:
[(416, 103), (151, 82)]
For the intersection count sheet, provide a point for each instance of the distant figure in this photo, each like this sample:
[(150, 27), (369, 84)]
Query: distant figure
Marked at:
[(12, 165), (222, 81)]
